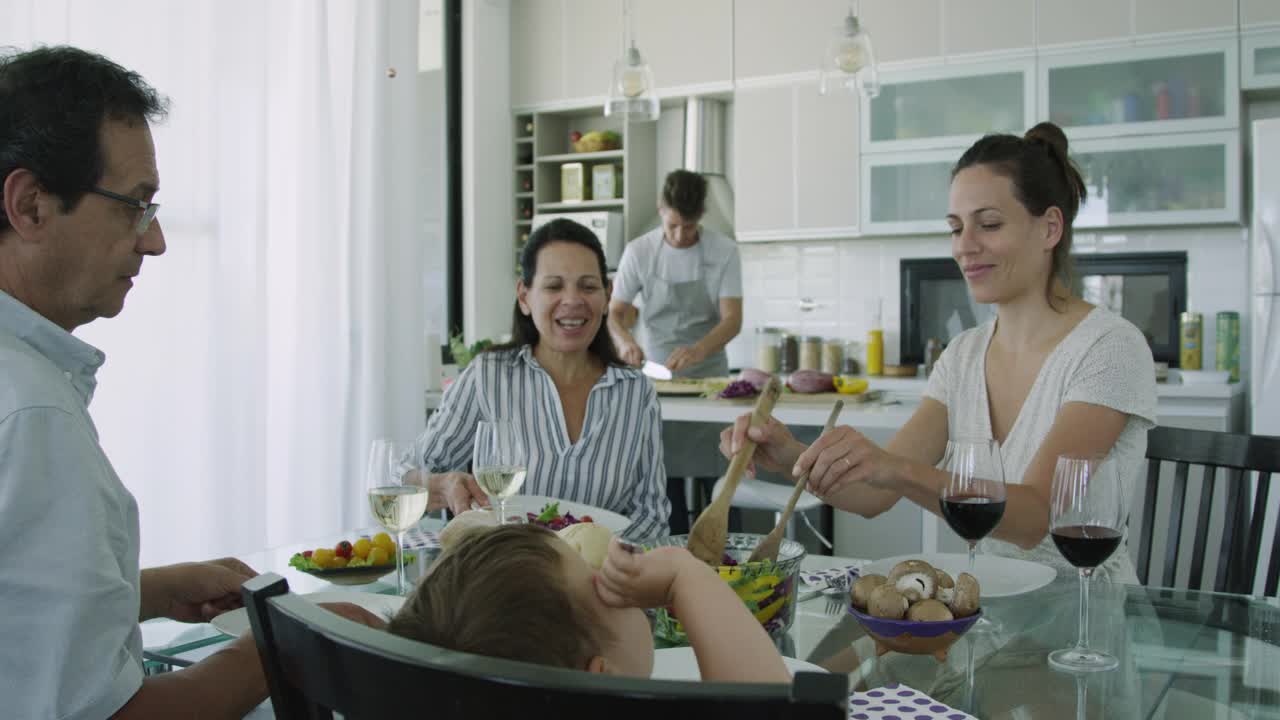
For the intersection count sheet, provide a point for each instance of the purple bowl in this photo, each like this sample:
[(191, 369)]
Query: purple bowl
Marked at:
[(914, 637)]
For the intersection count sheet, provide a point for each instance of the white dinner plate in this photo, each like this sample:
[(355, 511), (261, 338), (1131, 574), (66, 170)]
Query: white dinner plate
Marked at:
[(681, 664), (521, 504), (997, 576), (236, 622)]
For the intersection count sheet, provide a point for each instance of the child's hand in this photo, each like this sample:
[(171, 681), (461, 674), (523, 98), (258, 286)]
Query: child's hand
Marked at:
[(630, 578)]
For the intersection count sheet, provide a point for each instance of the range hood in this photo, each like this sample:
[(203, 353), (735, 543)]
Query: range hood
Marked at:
[(704, 153)]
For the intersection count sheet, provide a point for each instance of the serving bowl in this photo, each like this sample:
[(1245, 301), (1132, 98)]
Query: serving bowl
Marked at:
[(914, 637), (767, 588)]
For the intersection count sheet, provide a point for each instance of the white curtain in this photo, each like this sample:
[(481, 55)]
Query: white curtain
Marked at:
[(284, 328)]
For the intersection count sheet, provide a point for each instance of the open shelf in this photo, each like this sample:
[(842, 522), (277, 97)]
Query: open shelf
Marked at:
[(584, 205), (582, 157)]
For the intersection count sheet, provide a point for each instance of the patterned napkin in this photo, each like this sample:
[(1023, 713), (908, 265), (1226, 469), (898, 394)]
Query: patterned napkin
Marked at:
[(415, 539), (840, 578), (899, 702)]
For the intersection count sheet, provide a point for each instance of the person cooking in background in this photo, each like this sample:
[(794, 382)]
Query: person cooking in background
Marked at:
[(691, 280)]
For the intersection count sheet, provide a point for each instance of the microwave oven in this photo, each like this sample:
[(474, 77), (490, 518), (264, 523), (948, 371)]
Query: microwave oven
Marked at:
[(606, 225), (1147, 289)]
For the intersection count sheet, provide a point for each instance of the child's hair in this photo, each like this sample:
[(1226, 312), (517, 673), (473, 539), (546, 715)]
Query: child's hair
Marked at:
[(502, 593)]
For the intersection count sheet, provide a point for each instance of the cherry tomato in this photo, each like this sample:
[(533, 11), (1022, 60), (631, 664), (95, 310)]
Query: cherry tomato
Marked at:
[(342, 549)]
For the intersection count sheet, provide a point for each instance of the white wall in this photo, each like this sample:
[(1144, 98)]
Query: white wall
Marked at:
[(487, 159)]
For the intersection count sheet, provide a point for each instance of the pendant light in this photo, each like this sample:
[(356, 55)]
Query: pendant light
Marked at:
[(849, 61), (631, 93)]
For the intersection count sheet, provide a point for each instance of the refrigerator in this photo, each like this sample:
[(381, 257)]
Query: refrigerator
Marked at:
[(1264, 242)]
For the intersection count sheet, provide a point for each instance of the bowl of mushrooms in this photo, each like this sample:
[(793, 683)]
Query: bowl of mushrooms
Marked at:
[(917, 609)]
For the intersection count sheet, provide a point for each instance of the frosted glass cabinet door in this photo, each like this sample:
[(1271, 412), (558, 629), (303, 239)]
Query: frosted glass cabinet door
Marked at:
[(906, 193), (1162, 180), (948, 107), (1261, 61), (1184, 87)]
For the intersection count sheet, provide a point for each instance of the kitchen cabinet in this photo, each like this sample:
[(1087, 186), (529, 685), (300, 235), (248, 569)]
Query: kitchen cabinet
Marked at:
[(593, 42), (761, 50), (1184, 178), (1187, 86), (970, 27), (1260, 64), (949, 106), (537, 64), (903, 29), (796, 160), (688, 44), (906, 192), (1259, 13), (1163, 16), (1059, 23)]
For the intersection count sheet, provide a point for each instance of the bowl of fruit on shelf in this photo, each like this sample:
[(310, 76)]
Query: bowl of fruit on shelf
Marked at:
[(351, 563)]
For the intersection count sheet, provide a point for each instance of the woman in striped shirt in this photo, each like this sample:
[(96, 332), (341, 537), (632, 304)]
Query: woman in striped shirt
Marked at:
[(592, 426)]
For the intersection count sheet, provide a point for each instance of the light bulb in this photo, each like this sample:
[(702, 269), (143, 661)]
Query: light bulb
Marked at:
[(631, 82), (850, 56)]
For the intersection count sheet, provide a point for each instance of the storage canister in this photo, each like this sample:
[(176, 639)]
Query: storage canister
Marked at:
[(1227, 340), (832, 356), (788, 353), (1192, 338), (810, 352), (767, 351)]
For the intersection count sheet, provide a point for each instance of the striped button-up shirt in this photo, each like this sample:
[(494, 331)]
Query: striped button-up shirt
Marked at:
[(615, 464)]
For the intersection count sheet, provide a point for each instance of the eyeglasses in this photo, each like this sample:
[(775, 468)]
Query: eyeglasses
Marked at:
[(148, 208)]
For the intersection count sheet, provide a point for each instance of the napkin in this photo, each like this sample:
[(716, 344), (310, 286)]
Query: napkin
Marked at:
[(899, 702), (839, 578), (416, 539)]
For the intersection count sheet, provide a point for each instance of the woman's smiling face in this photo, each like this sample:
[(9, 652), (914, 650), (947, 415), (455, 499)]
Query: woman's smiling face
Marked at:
[(1003, 250), (567, 298)]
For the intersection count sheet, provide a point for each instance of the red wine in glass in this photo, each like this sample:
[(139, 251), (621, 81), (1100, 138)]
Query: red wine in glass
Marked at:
[(1086, 546), (973, 517)]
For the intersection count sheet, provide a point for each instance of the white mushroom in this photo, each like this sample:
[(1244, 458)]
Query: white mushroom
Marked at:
[(929, 611), (886, 602), (915, 579), (967, 596), (863, 587), (946, 588)]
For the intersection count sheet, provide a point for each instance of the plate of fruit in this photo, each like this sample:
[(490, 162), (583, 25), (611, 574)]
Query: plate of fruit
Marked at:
[(351, 563)]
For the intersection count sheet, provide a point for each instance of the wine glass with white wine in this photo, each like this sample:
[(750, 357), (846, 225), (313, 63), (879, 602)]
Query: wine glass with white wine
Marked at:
[(499, 462), (396, 503)]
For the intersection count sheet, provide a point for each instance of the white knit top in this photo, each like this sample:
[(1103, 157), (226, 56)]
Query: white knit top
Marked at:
[(1104, 360)]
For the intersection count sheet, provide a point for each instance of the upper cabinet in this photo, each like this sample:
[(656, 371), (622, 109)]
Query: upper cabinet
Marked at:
[(688, 44), (592, 43), (761, 50), (1141, 90), (906, 192), (949, 106), (537, 64), (969, 27), (1260, 64), (1162, 16), (1259, 13), (805, 184)]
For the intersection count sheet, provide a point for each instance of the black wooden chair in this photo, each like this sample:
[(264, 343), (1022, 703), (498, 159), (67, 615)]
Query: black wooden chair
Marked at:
[(318, 663), (1241, 543)]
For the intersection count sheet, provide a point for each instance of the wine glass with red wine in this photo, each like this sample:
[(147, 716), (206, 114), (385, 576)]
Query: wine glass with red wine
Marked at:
[(1086, 512), (973, 500)]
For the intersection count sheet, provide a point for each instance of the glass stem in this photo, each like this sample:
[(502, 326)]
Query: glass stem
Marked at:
[(400, 562), (1082, 641), (502, 511), (973, 553)]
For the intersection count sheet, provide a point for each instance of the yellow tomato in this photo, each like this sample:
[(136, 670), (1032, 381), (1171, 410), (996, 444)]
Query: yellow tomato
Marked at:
[(379, 556), (362, 548), (323, 557), (338, 562), (385, 542)]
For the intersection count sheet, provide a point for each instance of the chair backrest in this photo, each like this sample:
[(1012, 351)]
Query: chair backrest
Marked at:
[(318, 663), (1241, 542)]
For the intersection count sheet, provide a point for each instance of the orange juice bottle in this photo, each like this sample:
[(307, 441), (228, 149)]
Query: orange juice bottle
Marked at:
[(875, 352)]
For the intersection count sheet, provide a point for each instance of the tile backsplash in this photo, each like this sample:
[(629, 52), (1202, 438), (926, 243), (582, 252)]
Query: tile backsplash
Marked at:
[(844, 283)]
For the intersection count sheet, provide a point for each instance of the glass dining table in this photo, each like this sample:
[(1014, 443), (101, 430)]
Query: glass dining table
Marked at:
[(1183, 654)]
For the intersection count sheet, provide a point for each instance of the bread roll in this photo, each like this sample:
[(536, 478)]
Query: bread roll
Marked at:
[(590, 540), (463, 524)]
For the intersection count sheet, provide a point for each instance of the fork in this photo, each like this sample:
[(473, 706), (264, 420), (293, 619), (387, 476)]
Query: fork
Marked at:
[(837, 604)]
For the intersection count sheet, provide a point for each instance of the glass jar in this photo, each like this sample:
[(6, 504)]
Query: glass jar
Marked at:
[(832, 357), (850, 365), (788, 353), (767, 350), (810, 352)]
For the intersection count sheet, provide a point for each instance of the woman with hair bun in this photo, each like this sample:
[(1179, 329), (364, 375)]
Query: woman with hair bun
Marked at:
[(1050, 375)]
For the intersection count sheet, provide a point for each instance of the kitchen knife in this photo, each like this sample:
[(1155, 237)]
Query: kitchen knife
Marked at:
[(656, 371)]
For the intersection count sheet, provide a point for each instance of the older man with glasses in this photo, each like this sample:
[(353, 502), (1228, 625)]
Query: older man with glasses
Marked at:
[(77, 173)]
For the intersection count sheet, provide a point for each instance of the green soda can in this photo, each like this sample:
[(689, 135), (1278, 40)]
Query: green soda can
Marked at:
[(1228, 343)]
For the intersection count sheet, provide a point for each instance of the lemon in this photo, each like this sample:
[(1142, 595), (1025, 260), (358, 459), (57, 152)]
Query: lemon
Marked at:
[(362, 548), (385, 542), (379, 556), (323, 557), (338, 562)]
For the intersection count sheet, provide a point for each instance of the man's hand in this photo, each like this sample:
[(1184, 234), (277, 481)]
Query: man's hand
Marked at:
[(685, 357), (456, 491), (194, 592), (631, 354)]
